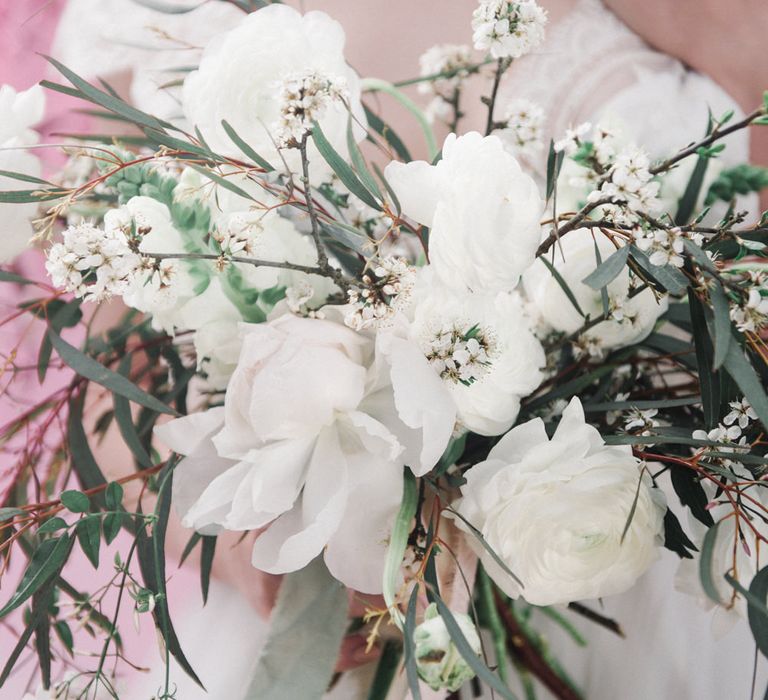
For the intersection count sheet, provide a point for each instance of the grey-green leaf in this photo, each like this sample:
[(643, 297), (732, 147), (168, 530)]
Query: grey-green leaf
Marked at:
[(96, 372), (608, 270), (306, 630)]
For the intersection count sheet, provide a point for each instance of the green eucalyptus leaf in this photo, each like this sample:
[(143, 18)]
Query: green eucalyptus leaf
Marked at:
[(88, 531), (608, 270), (75, 501)]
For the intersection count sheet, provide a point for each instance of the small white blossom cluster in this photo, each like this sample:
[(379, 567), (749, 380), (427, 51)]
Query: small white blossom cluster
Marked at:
[(460, 354), (385, 291), (508, 29), (573, 139), (93, 263), (630, 182), (664, 247), (524, 127), (304, 97), (741, 414), (239, 234), (641, 421), (452, 59), (729, 432), (752, 315)]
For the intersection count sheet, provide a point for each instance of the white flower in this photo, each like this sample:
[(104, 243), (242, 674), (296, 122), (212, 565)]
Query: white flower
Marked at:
[(19, 112), (665, 247), (304, 99), (158, 290), (752, 315), (92, 263), (632, 319), (241, 72), (573, 139), (554, 510), (524, 126), (482, 209), (439, 662), (483, 348), (508, 29), (444, 58), (741, 412), (386, 288), (316, 427)]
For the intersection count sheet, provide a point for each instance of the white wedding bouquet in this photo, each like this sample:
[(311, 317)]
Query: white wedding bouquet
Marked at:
[(446, 381)]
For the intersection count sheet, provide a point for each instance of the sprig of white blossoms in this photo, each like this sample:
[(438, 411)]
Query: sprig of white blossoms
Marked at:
[(93, 263), (523, 127), (751, 315), (303, 98), (386, 288), (663, 246), (453, 59), (741, 414), (508, 29), (630, 182)]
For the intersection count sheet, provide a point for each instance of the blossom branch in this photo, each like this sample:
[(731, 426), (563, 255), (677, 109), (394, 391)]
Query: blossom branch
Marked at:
[(501, 65), (256, 262)]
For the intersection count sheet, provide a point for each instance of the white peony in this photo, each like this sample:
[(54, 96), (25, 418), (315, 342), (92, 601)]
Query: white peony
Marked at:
[(240, 76), (19, 112), (482, 209), (482, 346), (317, 425), (554, 511), (633, 318)]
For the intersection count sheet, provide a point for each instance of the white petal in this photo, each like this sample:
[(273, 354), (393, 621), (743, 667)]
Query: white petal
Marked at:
[(416, 185), (184, 435)]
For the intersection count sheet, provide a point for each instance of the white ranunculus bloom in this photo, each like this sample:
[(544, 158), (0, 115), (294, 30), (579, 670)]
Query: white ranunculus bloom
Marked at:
[(317, 425), (19, 112), (240, 75), (482, 209), (482, 346), (554, 511), (633, 318)]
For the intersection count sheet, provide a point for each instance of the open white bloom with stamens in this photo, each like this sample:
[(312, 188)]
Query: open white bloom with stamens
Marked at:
[(555, 511), (482, 347), (246, 74), (632, 317), (317, 426), (482, 209)]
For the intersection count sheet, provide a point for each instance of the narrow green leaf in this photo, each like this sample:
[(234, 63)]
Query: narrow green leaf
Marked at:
[(359, 162), (26, 196), (12, 277), (633, 508), (124, 418), (110, 102), (554, 164), (388, 134), (83, 462), (687, 203), (206, 562), (747, 379), (563, 285), (88, 531), (23, 177), (757, 612), (170, 8), (710, 387), (340, 167), (245, 148), (467, 653), (9, 513), (642, 405), (722, 323), (603, 290), (385, 670), (411, 671), (75, 501), (668, 277), (307, 627), (608, 270), (221, 181), (390, 191), (64, 633), (91, 369), (190, 546), (46, 562), (705, 564)]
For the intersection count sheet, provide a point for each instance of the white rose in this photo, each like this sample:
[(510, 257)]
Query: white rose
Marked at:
[(239, 81), (482, 209), (554, 511), (574, 259), (482, 346), (19, 112), (317, 421)]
